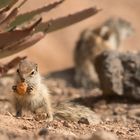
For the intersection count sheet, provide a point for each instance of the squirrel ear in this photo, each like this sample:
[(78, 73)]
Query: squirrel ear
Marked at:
[(36, 67)]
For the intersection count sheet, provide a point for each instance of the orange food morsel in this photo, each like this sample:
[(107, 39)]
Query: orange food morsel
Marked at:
[(21, 88)]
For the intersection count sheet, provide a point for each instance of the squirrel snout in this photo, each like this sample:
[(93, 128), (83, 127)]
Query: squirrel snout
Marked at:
[(22, 79)]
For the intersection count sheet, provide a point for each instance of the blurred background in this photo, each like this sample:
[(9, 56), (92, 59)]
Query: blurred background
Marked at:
[(55, 51)]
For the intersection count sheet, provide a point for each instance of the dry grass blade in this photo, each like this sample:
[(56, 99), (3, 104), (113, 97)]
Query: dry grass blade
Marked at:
[(8, 38), (21, 44), (62, 22), (13, 63), (23, 32), (31, 25), (28, 16), (22, 3), (11, 17), (11, 4), (4, 10), (2, 17)]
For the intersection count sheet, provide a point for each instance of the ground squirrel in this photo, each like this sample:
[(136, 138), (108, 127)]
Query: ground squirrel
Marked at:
[(37, 95), (92, 42)]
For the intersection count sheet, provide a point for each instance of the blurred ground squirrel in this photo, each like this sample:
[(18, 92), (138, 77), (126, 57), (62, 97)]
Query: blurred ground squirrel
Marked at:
[(36, 95), (92, 42)]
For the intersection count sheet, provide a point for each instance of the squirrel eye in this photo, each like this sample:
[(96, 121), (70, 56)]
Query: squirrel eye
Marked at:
[(17, 70), (32, 73)]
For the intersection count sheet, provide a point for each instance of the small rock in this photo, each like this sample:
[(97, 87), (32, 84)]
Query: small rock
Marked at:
[(134, 114), (24, 127), (84, 121), (104, 135), (66, 124), (119, 73), (39, 117), (43, 132), (110, 72)]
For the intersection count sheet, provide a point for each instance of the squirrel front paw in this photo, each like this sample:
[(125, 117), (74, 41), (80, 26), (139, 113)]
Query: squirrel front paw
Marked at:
[(29, 89), (14, 88)]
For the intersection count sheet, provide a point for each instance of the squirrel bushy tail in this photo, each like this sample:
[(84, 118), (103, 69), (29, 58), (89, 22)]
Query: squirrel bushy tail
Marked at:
[(71, 111)]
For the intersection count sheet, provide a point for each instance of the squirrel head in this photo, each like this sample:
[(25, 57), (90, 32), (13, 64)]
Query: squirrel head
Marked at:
[(122, 26), (28, 72)]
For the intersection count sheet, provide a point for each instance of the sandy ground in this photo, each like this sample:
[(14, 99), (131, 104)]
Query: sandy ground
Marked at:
[(120, 116)]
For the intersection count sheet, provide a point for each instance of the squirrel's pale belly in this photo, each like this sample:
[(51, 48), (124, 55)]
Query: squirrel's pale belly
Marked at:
[(31, 101)]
